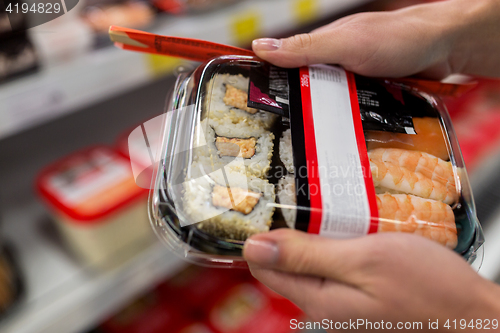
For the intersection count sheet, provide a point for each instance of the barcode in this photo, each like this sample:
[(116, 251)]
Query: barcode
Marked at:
[(278, 83), (325, 75)]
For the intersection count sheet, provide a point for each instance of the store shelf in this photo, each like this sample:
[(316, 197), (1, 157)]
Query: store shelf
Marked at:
[(93, 77), (62, 296)]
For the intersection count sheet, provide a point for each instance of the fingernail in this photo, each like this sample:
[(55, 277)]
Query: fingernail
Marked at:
[(266, 44), (261, 252)]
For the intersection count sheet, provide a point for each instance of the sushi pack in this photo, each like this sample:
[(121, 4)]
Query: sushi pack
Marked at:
[(249, 147)]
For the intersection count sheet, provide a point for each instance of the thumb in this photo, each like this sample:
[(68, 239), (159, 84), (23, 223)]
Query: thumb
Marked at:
[(297, 252)]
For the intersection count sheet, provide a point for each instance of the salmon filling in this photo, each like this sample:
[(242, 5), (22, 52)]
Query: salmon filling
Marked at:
[(237, 98), (235, 198), (235, 147)]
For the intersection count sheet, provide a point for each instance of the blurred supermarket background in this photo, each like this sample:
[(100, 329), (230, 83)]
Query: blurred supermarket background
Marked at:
[(69, 99)]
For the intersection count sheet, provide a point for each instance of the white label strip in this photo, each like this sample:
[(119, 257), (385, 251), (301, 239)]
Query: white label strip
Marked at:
[(346, 211)]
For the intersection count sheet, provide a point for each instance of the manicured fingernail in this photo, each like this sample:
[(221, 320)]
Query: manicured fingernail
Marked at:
[(266, 44), (261, 252)]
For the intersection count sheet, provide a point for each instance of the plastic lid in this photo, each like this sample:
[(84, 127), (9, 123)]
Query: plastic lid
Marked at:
[(89, 185)]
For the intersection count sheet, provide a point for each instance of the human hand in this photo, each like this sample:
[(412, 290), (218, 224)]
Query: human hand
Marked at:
[(393, 277), (431, 40)]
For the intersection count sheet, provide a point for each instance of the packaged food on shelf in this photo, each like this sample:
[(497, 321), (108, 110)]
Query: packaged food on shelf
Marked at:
[(189, 6), (250, 307), (17, 53), (476, 119), (97, 206), (150, 313), (72, 38), (197, 286), (17, 56), (135, 14), (250, 147), (230, 302)]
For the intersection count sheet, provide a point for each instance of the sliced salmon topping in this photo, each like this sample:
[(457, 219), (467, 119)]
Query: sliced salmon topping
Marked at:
[(235, 198)]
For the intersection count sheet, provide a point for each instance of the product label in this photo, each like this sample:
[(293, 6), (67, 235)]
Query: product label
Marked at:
[(329, 111), (90, 178), (383, 107), (332, 170), (268, 89), (387, 107)]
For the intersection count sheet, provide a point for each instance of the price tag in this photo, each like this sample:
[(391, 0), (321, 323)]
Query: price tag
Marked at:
[(305, 10), (160, 65), (245, 27)]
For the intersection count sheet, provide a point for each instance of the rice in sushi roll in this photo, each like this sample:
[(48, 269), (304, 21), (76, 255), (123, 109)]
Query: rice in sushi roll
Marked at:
[(228, 204), (286, 152), (228, 102), (288, 199)]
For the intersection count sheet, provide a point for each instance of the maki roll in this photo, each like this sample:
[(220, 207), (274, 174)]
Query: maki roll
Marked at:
[(228, 102), (244, 149), (286, 153), (228, 204), (288, 199)]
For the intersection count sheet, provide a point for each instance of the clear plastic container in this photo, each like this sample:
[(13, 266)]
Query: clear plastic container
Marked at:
[(248, 147)]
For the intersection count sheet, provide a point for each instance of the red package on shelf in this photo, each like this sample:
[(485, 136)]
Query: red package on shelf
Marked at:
[(197, 285), (251, 307), (206, 300), (97, 206), (197, 327), (476, 117), (149, 314)]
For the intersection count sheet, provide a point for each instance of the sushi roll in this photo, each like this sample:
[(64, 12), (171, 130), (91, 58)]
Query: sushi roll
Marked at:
[(228, 204), (287, 199), (243, 149), (286, 152), (228, 102)]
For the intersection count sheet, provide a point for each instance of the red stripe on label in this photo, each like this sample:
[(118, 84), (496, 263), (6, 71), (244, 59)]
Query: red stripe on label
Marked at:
[(363, 154), (311, 154)]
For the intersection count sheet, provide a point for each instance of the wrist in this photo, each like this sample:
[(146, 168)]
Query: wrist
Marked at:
[(475, 31), (445, 30)]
